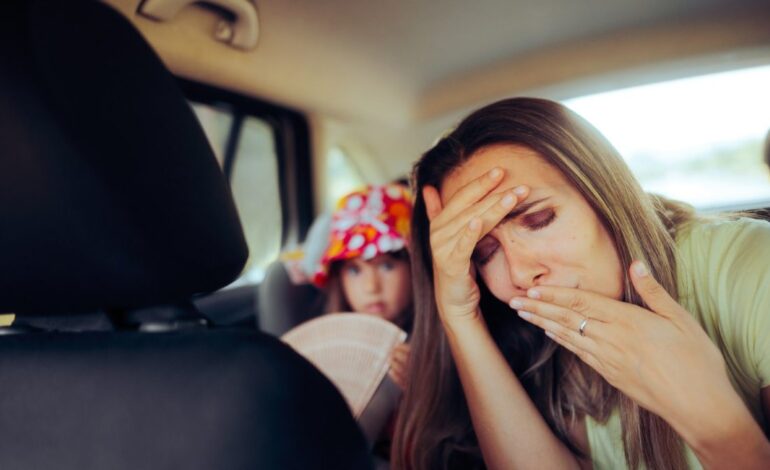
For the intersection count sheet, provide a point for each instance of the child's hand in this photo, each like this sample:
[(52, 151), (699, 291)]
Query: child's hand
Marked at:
[(399, 359)]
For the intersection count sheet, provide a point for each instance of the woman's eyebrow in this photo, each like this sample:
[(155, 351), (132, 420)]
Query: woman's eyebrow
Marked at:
[(522, 208)]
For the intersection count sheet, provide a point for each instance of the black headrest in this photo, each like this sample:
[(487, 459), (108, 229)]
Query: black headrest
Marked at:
[(110, 196)]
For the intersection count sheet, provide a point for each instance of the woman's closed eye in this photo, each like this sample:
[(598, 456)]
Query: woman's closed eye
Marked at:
[(487, 248), (539, 219)]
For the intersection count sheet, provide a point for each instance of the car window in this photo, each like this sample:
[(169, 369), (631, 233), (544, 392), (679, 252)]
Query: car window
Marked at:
[(342, 175), (254, 179), (698, 139), (254, 182), (216, 124)]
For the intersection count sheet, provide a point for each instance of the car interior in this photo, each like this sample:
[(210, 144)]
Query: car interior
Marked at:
[(164, 161)]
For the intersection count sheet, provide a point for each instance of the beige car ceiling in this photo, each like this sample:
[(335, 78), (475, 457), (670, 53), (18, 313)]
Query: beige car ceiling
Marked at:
[(378, 68)]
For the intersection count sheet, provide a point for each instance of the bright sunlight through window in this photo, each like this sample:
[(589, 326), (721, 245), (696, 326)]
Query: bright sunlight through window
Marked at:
[(342, 175), (698, 140)]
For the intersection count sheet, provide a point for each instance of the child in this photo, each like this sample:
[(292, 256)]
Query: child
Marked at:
[(365, 267)]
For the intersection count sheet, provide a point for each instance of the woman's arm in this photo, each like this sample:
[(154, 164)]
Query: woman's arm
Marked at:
[(510, 430), (730, 438)]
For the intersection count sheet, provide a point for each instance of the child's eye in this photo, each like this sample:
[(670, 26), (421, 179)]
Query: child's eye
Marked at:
[(352, 269), (387, 265), (539, 219)]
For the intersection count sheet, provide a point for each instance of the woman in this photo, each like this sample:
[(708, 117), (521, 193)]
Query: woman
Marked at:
[(640, 328)]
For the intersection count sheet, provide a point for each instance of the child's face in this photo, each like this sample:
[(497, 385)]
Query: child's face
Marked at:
[(380, 286)]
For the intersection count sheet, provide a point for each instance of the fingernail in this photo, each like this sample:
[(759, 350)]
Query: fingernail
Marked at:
[(495, 173), (533, 294), (549, 334), (520, 190), (508, 201), (640, 269), (516, 304), (525, 315)]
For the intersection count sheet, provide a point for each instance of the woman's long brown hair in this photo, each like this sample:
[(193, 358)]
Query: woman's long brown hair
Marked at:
[(434, 428)]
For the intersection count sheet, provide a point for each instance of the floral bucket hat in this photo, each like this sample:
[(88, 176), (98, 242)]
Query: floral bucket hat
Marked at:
[(367, 223)]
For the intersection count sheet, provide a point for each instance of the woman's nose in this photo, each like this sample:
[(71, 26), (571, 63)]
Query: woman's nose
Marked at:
[(524, 268)]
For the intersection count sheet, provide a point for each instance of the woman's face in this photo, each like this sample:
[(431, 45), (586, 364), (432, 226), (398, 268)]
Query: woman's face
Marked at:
[(553, 237), (380, 286)]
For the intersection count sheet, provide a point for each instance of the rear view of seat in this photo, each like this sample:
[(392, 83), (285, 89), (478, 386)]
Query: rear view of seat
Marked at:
[(283, 304), (111, 200)]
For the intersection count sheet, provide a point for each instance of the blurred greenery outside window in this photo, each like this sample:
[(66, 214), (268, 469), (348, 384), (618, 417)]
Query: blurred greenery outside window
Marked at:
[(253, 181), (342, 176), (698, 140)]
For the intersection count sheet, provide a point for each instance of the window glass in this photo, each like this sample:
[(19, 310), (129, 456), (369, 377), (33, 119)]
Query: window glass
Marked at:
[(216, 124), (697, 140), (342, 176), (254, 182)]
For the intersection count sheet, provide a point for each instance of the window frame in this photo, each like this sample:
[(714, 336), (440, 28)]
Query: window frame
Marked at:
[(291, 135)]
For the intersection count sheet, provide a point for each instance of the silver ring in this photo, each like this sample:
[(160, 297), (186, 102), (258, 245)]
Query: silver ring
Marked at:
[(582, 327)]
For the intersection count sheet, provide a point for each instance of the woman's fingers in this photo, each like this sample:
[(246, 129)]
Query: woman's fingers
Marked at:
[(653, 294), (466, 242), (503, 204), (468, 195), (569, 328), (489, 212), (583, 346), (589, 357), (581, 302), (432, 202), (483, 220)]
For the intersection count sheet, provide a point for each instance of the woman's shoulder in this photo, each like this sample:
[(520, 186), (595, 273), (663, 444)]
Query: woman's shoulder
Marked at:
[(722, 270), (721, 243), (720, 252), (722, 226)]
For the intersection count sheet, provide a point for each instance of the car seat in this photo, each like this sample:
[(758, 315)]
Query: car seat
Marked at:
[(111, 201)]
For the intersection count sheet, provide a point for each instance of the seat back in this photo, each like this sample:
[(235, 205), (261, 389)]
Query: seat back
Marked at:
[(112, 201), (187, 399), (282, 304)]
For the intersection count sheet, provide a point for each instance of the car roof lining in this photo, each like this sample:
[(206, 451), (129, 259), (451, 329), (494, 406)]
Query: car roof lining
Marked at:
[(401, 63)]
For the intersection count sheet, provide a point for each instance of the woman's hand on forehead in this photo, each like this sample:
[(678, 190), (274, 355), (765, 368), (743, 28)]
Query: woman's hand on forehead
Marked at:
[(475, 199), (456, 226)]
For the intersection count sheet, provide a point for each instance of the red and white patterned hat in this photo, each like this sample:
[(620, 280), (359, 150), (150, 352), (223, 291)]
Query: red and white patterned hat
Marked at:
[(367, 223)]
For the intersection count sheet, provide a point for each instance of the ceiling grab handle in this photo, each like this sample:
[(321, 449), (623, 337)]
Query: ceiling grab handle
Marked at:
[(242, 32)]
